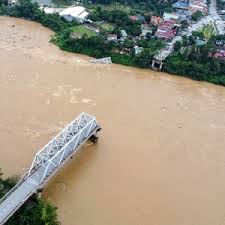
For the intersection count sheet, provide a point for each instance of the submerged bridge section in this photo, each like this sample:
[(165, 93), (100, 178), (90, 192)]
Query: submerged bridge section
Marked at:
[(48, 161)]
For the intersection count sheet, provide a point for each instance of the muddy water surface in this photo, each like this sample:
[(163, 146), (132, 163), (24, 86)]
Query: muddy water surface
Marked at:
[(161, 156)]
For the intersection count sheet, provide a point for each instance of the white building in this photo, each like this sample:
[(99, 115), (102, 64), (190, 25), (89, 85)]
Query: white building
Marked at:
[(112, 37), (138, 50), (12, 2), (49, 10), (123, 33), (169, 16), (78, 13)]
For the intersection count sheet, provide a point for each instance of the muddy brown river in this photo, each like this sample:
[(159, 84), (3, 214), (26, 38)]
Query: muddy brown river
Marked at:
[(160, 159)]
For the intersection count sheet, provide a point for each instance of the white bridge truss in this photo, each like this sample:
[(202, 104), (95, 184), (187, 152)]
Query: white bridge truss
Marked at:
[(48, 161)]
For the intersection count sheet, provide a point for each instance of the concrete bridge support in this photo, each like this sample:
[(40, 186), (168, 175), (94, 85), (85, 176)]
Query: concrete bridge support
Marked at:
[(94, 137), (157, 64)]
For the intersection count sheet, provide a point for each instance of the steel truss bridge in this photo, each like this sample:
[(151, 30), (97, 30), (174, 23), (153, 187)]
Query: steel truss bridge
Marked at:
[(48, 161)]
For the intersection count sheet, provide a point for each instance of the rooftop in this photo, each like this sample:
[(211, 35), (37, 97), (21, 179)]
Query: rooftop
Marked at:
[(183, 5), (166, 29), (75, 11)]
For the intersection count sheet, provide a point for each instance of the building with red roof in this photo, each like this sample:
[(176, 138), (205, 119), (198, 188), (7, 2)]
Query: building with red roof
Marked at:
[(166, 30)]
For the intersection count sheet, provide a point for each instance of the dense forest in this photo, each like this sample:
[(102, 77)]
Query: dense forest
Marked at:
[(34, 211)]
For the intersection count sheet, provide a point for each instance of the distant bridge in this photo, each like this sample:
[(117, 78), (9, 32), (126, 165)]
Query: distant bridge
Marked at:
[(48, 161)]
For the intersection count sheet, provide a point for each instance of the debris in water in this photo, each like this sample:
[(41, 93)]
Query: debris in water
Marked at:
[(106, 60)]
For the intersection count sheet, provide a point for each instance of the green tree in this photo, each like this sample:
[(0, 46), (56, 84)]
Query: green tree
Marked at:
[(196, 16), (185, 41), (177, 46), (184, 24), (198, 34), (145, 58)]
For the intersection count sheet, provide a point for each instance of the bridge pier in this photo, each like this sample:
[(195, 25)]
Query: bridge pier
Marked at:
[(157, 64), (94, 137)]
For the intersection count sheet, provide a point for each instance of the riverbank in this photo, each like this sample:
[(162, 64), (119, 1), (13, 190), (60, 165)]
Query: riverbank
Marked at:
[(161, 151), (196, 64)]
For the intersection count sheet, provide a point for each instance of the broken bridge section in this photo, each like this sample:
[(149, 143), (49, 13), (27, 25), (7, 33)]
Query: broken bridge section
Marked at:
[(48, 161)]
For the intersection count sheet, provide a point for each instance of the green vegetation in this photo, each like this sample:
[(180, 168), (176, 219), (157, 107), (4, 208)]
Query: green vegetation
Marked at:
[(184, 24), (34, 211), (96, 46), (81, 29), (109, 27), (115, 6), (196, 62), (149, 6), (196, 16), (208, 31), (211, 70), (119, 19)]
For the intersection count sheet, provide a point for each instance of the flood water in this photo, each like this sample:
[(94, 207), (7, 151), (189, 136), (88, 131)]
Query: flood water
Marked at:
[(160, 159)]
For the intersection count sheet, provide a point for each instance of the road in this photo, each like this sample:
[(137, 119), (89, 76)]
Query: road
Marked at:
[(165, 52), (213, 14), (212, 17)]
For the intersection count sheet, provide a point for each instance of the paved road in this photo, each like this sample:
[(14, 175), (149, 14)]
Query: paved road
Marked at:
[(165, 52), (213, 13)]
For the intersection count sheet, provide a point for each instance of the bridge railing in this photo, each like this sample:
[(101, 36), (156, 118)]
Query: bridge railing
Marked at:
[(68, 149), (50, 149)]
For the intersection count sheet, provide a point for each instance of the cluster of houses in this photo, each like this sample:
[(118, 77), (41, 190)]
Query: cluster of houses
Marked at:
[(183, 9), (167, 28), (114, 38), (167, 25), (145, 29)]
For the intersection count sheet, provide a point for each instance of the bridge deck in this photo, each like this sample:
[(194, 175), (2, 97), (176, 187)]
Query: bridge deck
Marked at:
[(47, 162), (16, 199)]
